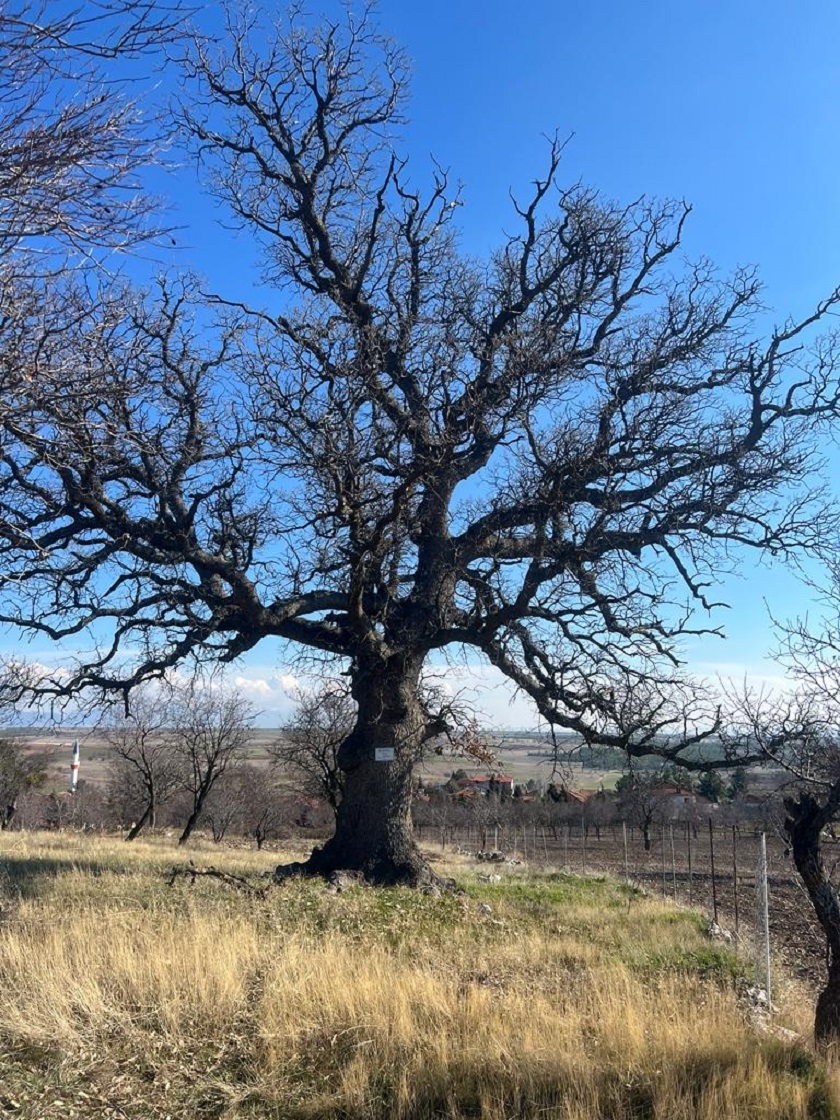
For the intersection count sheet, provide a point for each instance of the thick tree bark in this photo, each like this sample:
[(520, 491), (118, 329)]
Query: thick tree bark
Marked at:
[(805, 820), (373, 831)]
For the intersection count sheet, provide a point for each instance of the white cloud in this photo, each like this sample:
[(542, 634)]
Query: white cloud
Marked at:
[(251, 686), (495, 701)]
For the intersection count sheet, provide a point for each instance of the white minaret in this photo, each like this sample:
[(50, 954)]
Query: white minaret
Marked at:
[(74, 767)]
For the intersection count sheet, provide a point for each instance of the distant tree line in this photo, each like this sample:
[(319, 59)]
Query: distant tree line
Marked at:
[(643, 801), (183, 758)]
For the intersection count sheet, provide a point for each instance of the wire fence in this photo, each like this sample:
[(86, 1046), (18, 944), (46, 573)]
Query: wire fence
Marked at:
[(726, 870)]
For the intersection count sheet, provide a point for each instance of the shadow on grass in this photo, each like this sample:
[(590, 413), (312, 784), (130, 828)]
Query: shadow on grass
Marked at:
[(22, 877), (612, 1094)]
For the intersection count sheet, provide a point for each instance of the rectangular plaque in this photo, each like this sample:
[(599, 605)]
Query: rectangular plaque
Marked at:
[(383, 754)]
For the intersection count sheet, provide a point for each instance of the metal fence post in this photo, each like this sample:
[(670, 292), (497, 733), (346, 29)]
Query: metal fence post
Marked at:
[(735, 874), (690, 869), (763, 917), (714, 882)]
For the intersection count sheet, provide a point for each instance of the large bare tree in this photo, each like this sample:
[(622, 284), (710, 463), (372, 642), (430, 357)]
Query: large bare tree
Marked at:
[(545, 457), (75, 137), (73, 140)]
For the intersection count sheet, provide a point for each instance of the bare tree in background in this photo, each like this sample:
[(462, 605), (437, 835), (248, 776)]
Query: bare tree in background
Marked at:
[(247, 801), (211, 729), (642, 801), (223, 807), (20, 770), (144, 754), (799, 731), (308, 748), (545, 458), (264, 809)]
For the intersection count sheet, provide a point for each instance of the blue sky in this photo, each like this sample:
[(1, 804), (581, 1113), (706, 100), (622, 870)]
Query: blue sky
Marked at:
[(733, 105)]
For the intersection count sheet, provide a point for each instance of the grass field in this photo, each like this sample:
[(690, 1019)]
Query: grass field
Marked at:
[(534, 996), (523, 758)]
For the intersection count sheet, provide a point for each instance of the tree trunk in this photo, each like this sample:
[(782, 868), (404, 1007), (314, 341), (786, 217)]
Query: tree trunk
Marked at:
[(8, 815), (827, 1017), (192, 821), (805, 821), (200, 795), (136, 828), (373, 831)]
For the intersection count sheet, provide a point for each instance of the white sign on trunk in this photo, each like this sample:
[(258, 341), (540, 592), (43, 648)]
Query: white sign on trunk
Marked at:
[(383, 754)]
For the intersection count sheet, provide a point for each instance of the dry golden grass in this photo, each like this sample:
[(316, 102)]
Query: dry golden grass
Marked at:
[(574, 999)]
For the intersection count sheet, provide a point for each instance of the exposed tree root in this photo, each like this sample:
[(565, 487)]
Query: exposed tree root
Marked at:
[(415, 873)]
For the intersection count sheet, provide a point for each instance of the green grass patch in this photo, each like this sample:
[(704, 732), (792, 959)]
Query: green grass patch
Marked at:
[(709, 962)]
